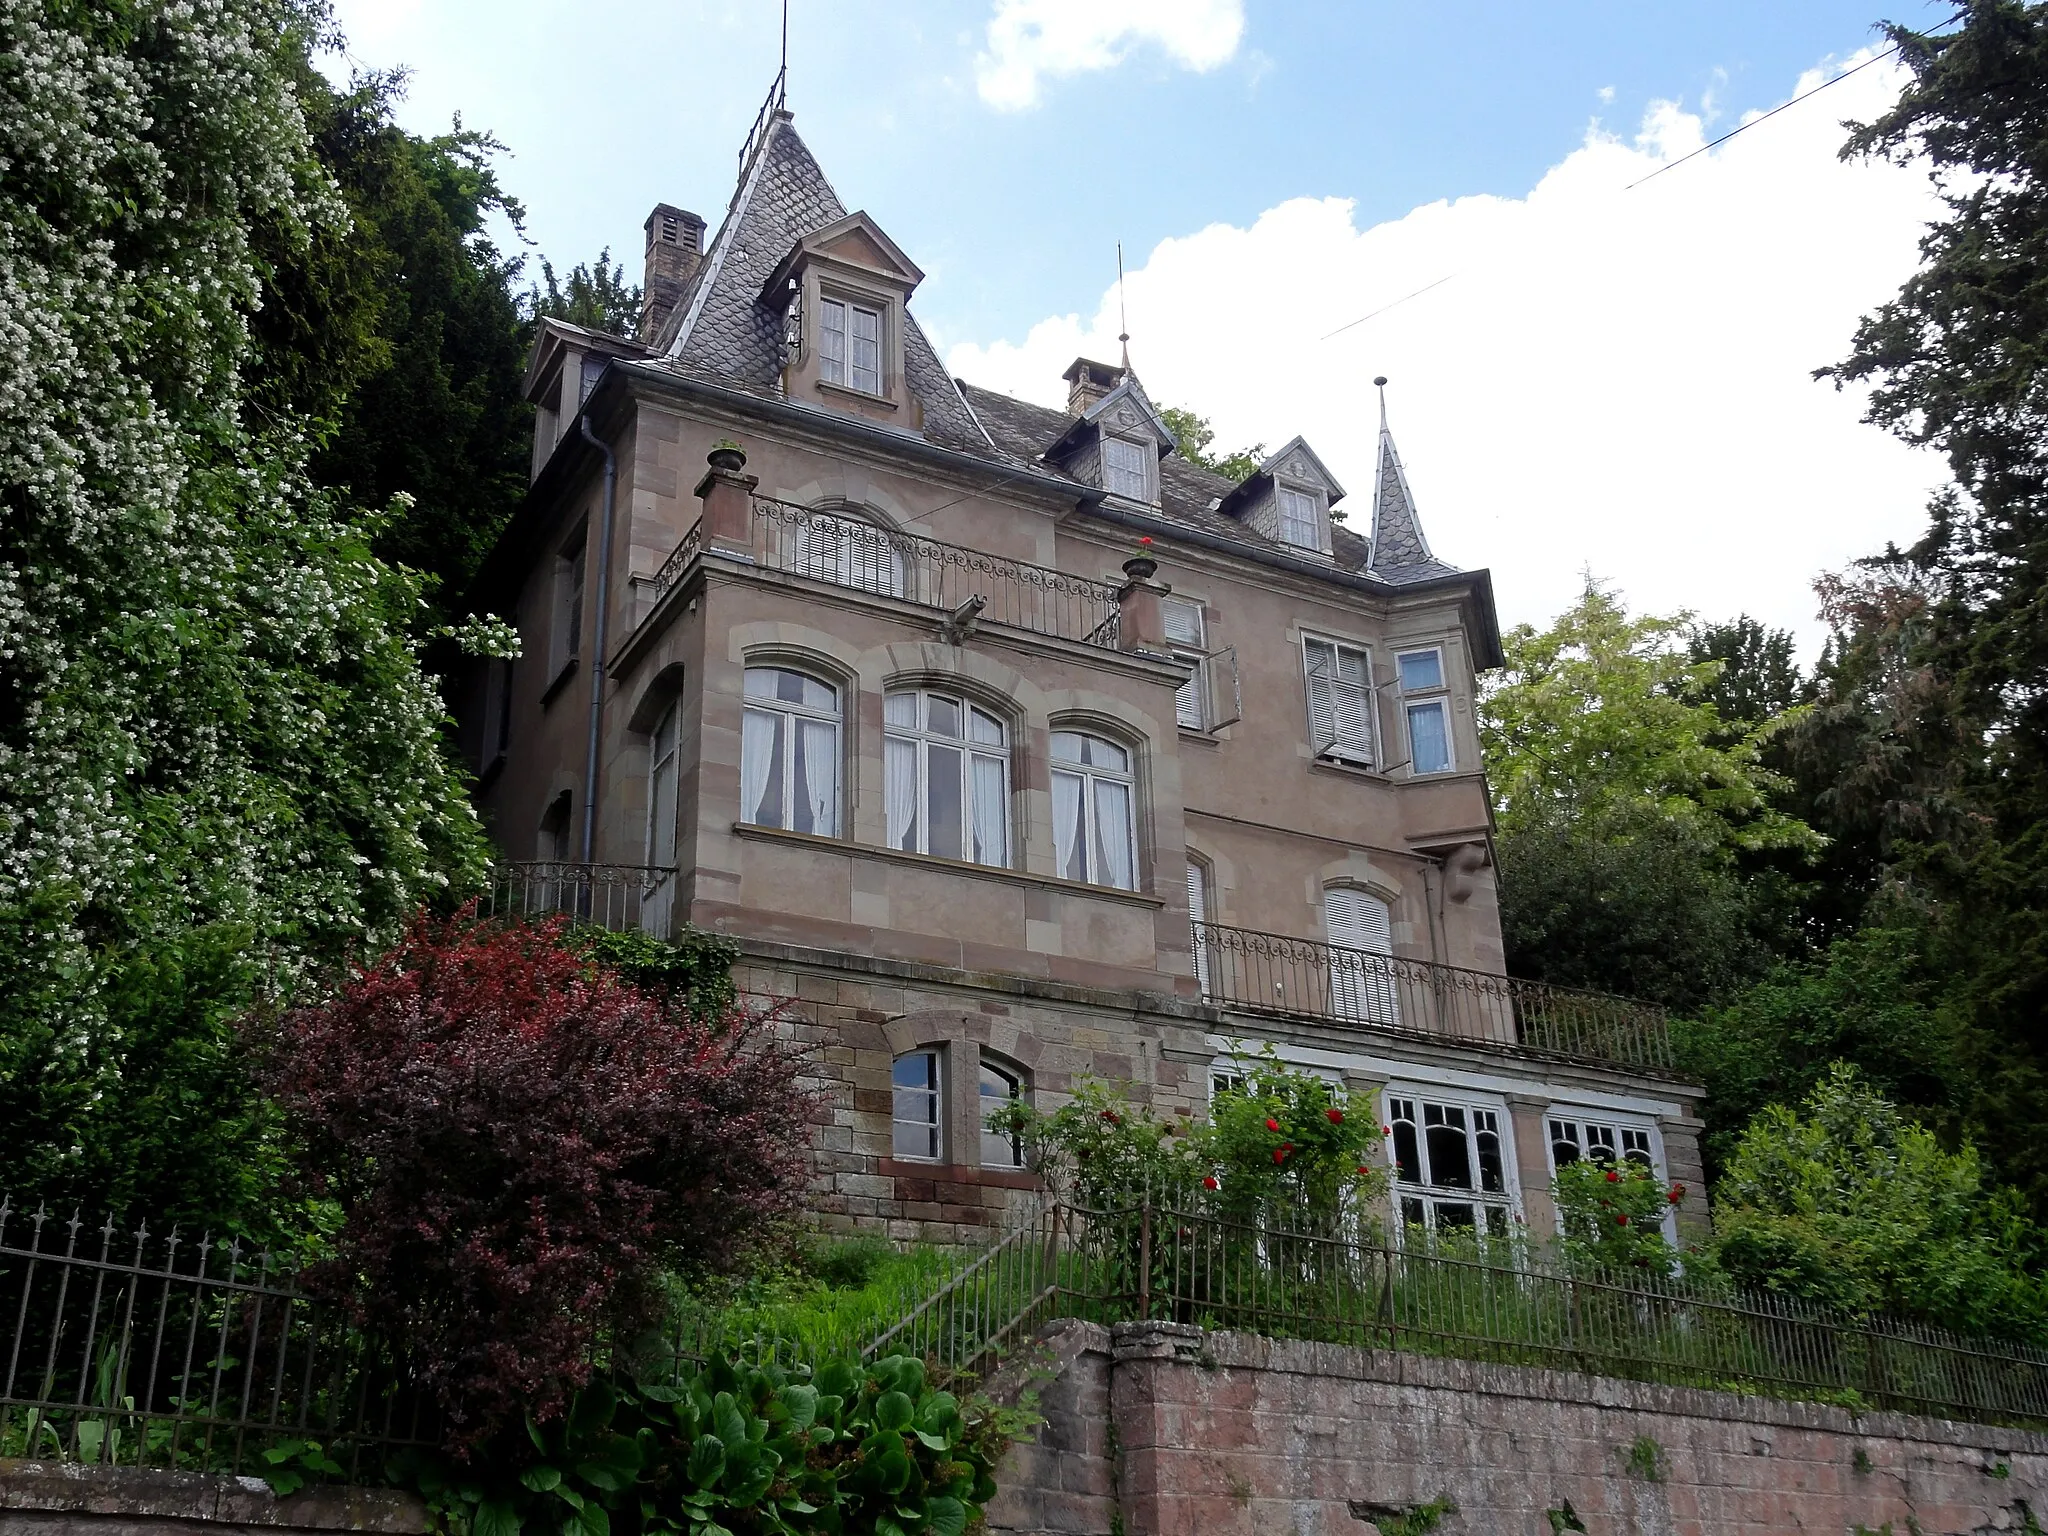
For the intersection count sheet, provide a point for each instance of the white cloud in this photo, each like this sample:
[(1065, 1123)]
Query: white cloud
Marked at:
[(1029, 39), (1612, 380)]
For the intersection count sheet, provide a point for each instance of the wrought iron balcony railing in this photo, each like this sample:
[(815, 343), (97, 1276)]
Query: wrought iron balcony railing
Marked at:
[(842, 550), (1266, 973), (618, 897)]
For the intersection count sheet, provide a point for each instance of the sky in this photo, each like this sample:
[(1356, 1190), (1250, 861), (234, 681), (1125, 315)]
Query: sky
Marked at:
[(1585, 376)]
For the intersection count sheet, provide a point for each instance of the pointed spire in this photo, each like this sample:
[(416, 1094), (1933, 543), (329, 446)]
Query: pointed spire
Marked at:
[(1397, 540)]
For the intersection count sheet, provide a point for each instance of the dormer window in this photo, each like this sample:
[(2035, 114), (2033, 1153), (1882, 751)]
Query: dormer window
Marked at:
[(850, 345), (1301, 518), (1126, 468)]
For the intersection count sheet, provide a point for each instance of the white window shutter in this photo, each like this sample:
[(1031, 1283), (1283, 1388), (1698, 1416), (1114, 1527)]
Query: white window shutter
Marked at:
[(1187, 702), (1198, 919), (1361, 986)]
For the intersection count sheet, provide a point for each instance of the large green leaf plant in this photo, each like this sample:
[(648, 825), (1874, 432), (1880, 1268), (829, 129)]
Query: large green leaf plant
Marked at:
[(740, 1449)]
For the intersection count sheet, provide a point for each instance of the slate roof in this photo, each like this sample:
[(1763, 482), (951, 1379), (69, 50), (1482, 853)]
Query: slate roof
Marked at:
[(720, 329), (1400, 552), (720, 332)]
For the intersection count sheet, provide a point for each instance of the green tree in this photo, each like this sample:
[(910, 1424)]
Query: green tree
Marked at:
[(1194, 435), (1626, 805), (1850, 1203), (598, 297), (396, 333), (1605, 713), (220, 763), (1759, 680), (1957, 786), (1874, 999)]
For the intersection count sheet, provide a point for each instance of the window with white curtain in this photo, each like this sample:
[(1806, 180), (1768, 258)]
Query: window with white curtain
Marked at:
[(945, 777), (1361, 928), (999, 1086), (1183, 621), (850, 345), (916, 1127), (1301, 518), (1339, 699), (662, 766), (789, 752), (1126, 468), (1093, 797)]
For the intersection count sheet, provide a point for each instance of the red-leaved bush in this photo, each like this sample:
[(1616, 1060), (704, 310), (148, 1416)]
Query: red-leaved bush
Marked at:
[(521, 1143)]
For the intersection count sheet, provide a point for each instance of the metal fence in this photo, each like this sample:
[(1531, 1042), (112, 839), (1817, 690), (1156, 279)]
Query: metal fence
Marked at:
[(617, 897), (1268, 973), (130, 1348), (842, 550), (1336, 1283)]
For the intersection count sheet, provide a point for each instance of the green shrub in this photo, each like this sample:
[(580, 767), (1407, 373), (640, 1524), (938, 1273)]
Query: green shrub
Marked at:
[(1614, 1216), (740, 1449)]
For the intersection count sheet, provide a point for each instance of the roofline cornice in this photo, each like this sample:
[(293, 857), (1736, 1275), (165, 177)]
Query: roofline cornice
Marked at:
[(1477, 584)]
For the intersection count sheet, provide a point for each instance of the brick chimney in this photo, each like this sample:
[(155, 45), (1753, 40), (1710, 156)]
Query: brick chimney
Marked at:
[(675, 249), (1088, 382)]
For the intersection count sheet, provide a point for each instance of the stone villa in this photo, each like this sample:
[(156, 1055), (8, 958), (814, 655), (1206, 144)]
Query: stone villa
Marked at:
[(1010, 743)]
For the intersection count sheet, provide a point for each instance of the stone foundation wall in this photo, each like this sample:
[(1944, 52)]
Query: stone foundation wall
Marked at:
[(1161, 1430), (64, 1499)]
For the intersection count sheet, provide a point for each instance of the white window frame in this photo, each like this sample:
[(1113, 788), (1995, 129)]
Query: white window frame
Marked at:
[(1148, 469), (838, 360), (1435, 700), (1355, 748), (1634, 1138), (921, 740), (927, 1124), (1009, 1150), (1316, 513), (1426, 1197), (664, 759), (1185, 632), (1092, 779), (790, 716)]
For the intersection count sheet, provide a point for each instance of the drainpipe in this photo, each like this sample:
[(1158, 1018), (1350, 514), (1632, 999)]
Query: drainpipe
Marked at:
[(598, 640)]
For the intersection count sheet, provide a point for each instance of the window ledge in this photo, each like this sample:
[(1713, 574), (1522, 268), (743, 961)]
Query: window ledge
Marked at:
[(1350, 770), (1202, 735), (959, 1173), (846, 846), (561, 681), (847, 392)]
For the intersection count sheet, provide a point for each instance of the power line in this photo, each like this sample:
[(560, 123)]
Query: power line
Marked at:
[(1875, 58), (1418, 293)]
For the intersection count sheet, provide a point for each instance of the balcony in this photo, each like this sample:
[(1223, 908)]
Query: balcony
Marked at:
[(1265, 973), (617, 897), (943, 578)]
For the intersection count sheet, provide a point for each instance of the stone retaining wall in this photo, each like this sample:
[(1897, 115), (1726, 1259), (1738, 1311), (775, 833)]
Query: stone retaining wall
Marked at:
[(64, 1499), (1162, 1430)]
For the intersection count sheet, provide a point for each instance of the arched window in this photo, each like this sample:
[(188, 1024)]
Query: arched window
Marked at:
[(946, 777), (848, 552), (1000, 1085), (1092, 826), (789, 752), (662, 764), (1361, 970), (916, 1129)]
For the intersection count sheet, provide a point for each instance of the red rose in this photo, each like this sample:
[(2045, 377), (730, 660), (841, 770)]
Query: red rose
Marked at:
[(1210, 1183), (1336, 1116), (1145, 539), (1613, 1177), (1622, 1219), (1364, 1170), (1272, 1125), (1111, 1117), (1675, 1196), (1280, 1153), (1386, 1130)]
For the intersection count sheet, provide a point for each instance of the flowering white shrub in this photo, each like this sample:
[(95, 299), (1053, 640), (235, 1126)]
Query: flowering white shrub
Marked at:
[(211, 705)]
